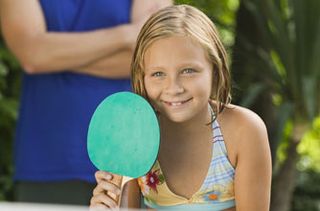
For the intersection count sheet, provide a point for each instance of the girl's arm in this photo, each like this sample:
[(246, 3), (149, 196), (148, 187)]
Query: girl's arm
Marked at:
[(253, 168), (100, 198)]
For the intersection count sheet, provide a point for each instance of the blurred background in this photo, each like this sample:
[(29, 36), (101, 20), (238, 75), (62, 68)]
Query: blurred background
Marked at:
[(274, 54)]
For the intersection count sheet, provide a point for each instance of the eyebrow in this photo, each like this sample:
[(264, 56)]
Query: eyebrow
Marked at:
[(183, 65)]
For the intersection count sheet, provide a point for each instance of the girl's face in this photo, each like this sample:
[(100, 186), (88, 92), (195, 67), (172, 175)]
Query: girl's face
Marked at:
[(178, 78)]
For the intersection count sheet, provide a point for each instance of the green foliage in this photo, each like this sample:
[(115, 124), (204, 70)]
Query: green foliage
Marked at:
[(309, 149), (9, 89), (282, 148), (290, 30), (306, 194)]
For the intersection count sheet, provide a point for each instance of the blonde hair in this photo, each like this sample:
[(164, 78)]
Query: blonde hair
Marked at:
[(184, 20)]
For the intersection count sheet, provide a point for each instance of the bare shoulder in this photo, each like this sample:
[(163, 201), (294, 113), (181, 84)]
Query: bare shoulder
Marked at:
[(242, 120), (244, 130)]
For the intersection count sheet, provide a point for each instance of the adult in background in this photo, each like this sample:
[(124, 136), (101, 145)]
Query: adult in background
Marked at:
[(74, 54)]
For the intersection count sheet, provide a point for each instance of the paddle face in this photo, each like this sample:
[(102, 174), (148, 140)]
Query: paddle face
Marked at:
[(123, 135)]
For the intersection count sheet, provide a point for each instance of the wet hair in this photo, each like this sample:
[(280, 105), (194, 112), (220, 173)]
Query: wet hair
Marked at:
[(185, 20)]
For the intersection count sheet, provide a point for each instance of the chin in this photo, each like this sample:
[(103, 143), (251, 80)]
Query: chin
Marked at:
[(178, 119)]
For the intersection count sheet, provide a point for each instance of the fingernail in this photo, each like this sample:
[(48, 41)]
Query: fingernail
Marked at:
[(108, 176)]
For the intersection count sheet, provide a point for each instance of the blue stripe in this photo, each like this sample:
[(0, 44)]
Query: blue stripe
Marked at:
[(218, 136), (215, 127), (220, 175), (215, 206), (217, 140), (218, 158), (226, 177)]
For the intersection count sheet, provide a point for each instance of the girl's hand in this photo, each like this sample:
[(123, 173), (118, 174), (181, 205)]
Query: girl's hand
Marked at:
[(105, 192)]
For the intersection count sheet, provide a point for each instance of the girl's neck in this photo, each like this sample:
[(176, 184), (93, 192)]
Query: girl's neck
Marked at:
[(186, 131)]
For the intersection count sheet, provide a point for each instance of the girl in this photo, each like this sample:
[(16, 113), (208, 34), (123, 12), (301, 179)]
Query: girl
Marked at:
[(213, 155)]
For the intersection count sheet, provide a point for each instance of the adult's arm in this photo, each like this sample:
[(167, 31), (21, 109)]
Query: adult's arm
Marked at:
[(118, 64), (253, 169), (40, 51)]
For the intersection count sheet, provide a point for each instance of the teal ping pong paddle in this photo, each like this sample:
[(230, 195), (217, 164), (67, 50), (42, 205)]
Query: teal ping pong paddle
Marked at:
[(124, 136)]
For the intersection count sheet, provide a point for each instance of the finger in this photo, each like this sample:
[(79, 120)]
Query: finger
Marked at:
[(104, 186), (97, 190), (104, 200), (102, 175), (98, 207)]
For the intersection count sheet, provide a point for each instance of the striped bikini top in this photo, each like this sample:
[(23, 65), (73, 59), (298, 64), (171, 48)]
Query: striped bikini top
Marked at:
[(216, 192)]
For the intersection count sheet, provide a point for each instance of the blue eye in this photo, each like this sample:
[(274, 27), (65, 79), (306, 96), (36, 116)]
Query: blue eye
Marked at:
[(157, 74), (188, 71)]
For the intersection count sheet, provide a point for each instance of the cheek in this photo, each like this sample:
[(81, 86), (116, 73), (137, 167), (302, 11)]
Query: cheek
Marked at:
[(150, 88), (208, 84), (151, 94), (203, 86)]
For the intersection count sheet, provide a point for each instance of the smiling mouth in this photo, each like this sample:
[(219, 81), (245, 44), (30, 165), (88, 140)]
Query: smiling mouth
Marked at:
[(177, 103)]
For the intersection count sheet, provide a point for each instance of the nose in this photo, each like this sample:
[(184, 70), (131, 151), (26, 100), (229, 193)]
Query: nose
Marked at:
[(173, 86)]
